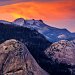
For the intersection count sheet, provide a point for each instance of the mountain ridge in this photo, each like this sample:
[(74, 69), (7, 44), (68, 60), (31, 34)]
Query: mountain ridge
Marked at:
[(50, 33), (46, 30)]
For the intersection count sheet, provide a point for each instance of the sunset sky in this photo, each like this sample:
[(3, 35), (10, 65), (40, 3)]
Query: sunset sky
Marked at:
[(56, 13)]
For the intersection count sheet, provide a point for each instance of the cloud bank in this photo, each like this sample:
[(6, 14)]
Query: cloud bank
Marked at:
[(7, 2), (57, 13)]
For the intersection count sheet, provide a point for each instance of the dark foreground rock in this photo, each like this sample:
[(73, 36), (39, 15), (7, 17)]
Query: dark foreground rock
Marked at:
[(15, 59), (61, 57)]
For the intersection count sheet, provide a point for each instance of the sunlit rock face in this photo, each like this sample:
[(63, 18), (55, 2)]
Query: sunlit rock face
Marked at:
[(62, 57), (15, 59), (19, 21), (23, 22)]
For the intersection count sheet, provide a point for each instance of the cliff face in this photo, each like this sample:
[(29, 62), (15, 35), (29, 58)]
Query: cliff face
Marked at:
[(15, 59), (62, 57)]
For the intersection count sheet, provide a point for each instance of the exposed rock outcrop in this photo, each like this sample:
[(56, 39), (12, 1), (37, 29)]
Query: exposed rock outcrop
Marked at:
[(62, 57), (15, 59)]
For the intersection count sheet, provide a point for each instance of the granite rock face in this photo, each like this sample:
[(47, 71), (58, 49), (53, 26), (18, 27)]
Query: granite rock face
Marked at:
[(15, 59), (62, 57)]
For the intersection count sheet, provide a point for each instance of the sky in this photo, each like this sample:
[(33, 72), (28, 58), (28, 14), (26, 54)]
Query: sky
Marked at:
[(56, 13)]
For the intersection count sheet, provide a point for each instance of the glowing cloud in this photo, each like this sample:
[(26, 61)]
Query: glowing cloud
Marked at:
[(57, 10), (52, 12)]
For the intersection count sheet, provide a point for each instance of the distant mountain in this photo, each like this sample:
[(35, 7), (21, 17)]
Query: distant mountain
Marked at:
[(5, 22), (15, 59), (51, 33)]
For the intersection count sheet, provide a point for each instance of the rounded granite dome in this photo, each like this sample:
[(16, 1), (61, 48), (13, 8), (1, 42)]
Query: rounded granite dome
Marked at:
[(62, 52), (61, 57), (20, 21), (15, 59)]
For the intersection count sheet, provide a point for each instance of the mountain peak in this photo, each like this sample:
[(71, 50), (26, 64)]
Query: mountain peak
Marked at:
[(22, 21), (19, 21)]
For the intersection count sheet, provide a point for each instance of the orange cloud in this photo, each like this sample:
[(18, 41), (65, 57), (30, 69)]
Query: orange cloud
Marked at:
[(46, 11)]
